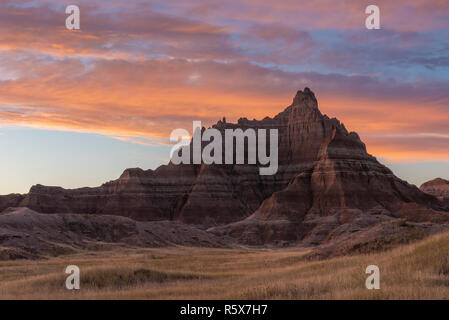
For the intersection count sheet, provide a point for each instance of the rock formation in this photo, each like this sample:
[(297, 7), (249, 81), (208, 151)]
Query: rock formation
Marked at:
[(437, 187), (327, 187), (27, 234), (198, 194)]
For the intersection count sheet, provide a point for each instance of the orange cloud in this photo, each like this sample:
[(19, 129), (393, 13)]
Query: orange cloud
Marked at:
[(137, 74), (143, 102)]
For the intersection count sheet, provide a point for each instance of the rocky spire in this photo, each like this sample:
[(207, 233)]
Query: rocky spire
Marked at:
[(305, 97)]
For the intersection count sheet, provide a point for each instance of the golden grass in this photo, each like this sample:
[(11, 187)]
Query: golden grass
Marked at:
[(414, 271)]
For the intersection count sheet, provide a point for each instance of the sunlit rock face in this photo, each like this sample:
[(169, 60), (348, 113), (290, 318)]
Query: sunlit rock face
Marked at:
[(438, 187)]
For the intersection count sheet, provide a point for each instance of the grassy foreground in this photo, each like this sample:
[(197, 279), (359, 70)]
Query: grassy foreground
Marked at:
[(415, 271)]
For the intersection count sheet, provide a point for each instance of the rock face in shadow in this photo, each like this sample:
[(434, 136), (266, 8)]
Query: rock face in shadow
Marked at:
[(198, 194), (327, 186), (26, 234), (346, 190), (11, 200)]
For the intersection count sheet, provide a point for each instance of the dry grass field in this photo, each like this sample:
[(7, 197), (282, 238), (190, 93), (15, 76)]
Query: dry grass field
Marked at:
[(414, 271)]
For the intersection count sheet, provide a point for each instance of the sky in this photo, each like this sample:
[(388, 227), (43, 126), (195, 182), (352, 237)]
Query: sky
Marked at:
[(77, 107)]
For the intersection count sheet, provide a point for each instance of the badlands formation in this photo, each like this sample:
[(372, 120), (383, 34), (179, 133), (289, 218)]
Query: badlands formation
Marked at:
[(328, 193)]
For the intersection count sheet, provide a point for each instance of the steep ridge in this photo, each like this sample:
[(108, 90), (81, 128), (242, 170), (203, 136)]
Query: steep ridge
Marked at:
[(326, 186), (347, 190), (199, 194)]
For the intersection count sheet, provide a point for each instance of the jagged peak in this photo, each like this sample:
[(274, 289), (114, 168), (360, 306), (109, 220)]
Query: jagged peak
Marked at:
[(132, 172), (305, 97)]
